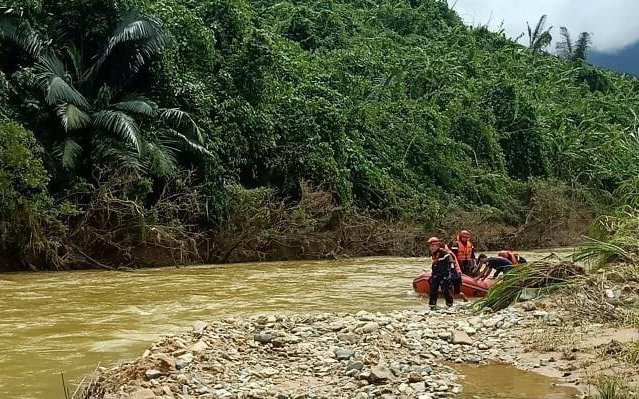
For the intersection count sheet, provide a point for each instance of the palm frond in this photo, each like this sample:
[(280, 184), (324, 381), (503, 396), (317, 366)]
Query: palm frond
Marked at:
[(564, 47), (71, 151), (146, 34), (189, 144), (539, 28), (110, 151), (120, 124), (29, 41), (159, 159), (178, 119), (580, 51), (72, 117), (52, 77), (137, 105), (74, 54)]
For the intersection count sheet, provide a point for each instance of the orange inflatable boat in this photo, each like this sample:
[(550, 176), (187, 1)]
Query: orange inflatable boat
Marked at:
[(471, 287)]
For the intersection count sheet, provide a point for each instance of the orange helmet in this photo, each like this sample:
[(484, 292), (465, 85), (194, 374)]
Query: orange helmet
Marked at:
[(464, 234), (433, 240)]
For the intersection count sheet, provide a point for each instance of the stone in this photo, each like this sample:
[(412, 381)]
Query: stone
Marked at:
[(414, 376), (418, 386), (164, 362), (380, 374), (354, 366), (461, 338), (268, 372), (142, 393), (183, 361), (263, 338), (370, 327), (343, 353), (350, 338), (152, 374), (199, 346), (199, 327), (445, 335)]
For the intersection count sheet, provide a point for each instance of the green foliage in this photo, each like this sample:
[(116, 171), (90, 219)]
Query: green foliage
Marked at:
[(393, 106), (23, 178)]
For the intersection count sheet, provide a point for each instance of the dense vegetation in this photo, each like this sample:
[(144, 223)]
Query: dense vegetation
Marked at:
[(168, 123)]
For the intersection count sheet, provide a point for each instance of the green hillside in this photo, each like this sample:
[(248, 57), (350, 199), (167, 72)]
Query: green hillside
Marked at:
[(162, 127)]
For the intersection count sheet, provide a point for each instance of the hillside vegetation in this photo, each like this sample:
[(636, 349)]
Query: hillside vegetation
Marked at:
[(216, 130)]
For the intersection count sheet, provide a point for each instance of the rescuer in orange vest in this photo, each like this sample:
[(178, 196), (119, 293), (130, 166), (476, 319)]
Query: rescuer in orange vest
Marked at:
[(513, 257), (464, 251)]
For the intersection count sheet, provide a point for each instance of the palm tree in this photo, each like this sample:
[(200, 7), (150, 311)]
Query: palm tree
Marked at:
[(96, 118), (539, 38), (573, 52)]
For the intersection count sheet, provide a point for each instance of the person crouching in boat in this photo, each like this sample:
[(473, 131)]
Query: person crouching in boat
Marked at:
[(442, 270), (464, 251), (497, 263)]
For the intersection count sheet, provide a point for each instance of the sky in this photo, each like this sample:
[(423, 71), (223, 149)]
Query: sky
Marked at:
[(614, 24)]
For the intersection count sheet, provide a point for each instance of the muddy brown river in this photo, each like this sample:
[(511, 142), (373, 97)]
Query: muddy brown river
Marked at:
[(69, 322)]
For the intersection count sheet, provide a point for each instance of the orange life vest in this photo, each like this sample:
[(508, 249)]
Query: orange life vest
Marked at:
[(464, 252), (511, 256)]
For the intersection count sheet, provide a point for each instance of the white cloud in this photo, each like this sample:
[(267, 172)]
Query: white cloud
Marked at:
[(614, 24)]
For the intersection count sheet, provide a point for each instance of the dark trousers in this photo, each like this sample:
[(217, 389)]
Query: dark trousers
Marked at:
[(467, 267), (502, 269), (442, 283)]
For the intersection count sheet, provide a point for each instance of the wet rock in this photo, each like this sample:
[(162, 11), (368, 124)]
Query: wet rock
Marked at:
[(153, 374), (380, 374)]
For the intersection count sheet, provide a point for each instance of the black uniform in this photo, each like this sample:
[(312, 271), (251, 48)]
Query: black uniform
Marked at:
[(443, 264), (499, 264)]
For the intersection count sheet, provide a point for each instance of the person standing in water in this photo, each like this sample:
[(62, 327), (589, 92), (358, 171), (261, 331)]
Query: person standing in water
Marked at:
[(442, 268)]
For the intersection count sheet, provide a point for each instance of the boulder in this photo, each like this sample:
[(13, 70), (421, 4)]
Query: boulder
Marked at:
[(461, 338), (370, 327), (380, 374), (152, 374), (343, 353)]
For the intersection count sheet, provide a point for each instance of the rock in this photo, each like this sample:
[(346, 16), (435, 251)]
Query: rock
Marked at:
[(370, 327), (613, 294), (354, 366), (418, 386), (337, 325), (199, 327), (153, 374), (142, 393), (445, 335), (199, 346), (425, 396), (461, 338), (414, 376), (350, 338), (343, 353), (164, 362), (183, 361), (263, 338), (380, 374), (268, 372)]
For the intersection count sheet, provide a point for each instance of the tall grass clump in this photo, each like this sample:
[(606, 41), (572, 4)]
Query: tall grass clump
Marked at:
[(547, 275), (618, 241)]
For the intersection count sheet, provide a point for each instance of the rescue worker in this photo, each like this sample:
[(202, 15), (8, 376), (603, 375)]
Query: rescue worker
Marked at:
[(513, 257), (442, 268), (498, 263), (464, 251)]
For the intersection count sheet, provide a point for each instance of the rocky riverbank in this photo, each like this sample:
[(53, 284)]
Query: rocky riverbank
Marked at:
[(403, 354)]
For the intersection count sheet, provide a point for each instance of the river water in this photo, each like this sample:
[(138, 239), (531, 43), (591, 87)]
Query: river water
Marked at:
[(69, 322)]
